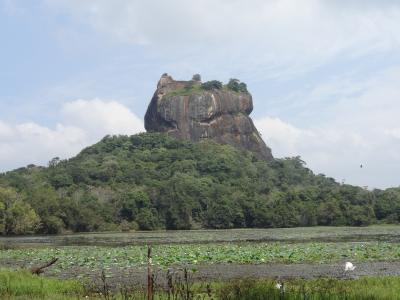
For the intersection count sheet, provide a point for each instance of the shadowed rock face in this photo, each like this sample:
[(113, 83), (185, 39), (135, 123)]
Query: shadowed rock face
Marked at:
[(195, 114)]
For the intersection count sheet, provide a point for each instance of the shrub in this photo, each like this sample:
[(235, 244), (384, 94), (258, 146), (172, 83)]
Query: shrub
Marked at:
[(189, 85), (147, 219), (196, 77), (237, 86), (52, 225), (126, 226), (212, 85)]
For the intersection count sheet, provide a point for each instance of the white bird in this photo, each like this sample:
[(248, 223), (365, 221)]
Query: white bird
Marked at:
[(349, 266)]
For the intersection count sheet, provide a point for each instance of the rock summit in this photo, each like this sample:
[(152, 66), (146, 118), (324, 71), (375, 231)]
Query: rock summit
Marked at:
[(194, 110)]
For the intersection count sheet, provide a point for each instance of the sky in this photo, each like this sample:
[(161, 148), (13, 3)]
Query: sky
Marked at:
[(324, 75)]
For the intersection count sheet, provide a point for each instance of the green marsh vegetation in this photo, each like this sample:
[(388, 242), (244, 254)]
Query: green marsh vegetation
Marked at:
[(93, 259), (297, 246)]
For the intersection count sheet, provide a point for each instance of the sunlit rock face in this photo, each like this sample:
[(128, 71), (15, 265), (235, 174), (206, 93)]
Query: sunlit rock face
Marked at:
[(185, 111)]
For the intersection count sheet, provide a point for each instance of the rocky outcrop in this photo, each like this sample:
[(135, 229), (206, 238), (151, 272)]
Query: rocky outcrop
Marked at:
[(185, 110)]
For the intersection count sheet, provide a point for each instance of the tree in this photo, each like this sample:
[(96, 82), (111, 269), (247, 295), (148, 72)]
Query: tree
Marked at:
[(46, 203), (60, 180), (387, 204), (329, 213), (212, 85), (16, 216), (360, 215), (196, 77), (237, 86), (2, 217), (21, 219), (131, 202), (147, 219), (219, 216), (54, 162), (152, 180)]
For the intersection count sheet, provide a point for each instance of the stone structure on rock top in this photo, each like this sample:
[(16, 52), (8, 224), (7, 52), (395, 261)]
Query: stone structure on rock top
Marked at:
[(186, 110)]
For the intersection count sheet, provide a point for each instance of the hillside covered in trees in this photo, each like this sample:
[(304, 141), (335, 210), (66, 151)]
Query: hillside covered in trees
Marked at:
[(152, 181)]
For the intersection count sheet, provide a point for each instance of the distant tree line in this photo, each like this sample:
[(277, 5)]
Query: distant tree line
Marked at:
[(151, 181)]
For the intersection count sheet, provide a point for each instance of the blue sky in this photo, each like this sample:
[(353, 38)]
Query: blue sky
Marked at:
[(324, 75)]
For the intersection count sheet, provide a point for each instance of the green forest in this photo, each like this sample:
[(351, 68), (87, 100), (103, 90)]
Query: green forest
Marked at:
[(151, 181)]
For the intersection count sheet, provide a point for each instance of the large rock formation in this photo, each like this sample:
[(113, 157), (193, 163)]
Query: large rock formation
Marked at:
[(185, 110)]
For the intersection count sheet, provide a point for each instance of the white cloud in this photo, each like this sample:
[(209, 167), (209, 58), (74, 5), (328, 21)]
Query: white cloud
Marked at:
[(99, 116), (284, 138), (84, 122), (5, 130), (337, 152), (395, 132), (358, 128), (270, 37)]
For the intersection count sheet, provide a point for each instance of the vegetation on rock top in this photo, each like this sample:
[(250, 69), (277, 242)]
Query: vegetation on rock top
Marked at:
[(193, 87)]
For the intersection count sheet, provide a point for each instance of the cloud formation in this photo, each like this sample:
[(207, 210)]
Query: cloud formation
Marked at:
[(360, 128), (84, 122), (324, 74), (266, 36), (337, 152), (100, 117)]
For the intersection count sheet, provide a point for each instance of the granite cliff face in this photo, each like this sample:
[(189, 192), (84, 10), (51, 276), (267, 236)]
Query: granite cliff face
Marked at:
[(185, 110)]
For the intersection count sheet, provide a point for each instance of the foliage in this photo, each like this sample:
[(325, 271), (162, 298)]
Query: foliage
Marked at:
[(94, 258), (195, 87), (388, 205), (153, 181), (237, 86), (196, 77), (212, 85), (16, 215)]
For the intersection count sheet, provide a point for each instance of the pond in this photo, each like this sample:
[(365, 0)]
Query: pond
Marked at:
[(388, 233)]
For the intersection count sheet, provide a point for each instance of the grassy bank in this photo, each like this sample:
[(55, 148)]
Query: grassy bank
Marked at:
[(23, 285), (367, 288)]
